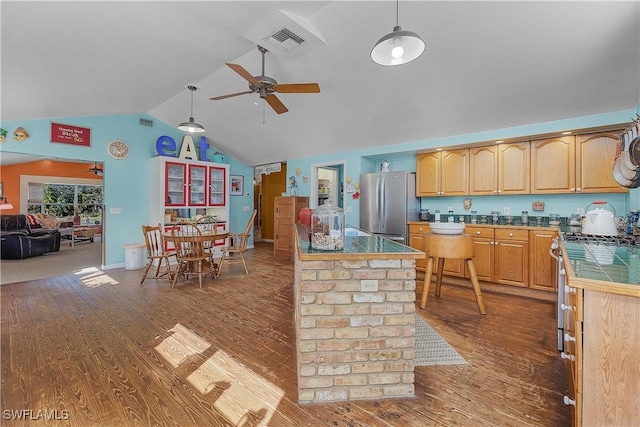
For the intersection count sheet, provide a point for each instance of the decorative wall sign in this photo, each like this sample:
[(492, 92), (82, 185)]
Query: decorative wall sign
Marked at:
[(20, 134), (68, 134)]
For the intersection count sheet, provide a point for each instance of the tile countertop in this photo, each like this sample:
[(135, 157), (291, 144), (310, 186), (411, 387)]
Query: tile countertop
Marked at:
[(605, 268), (355, 248)]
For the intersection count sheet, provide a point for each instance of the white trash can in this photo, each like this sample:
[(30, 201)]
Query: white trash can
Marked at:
[(134, 256)]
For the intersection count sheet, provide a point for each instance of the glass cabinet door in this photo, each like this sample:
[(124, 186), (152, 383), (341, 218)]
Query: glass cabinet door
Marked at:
[(217, 186), (197, 185), (175, 184)]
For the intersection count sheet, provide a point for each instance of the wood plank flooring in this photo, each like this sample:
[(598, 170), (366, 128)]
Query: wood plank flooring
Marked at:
[(100, 350)]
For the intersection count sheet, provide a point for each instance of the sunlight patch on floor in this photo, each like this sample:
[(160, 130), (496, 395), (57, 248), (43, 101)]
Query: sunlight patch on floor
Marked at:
[(93, 277), (245, 397)]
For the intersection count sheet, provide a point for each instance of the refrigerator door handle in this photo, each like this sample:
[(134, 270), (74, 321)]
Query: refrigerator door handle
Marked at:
[(383, 205)]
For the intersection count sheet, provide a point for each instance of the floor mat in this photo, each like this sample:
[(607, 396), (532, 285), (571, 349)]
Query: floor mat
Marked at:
[(431, 349)]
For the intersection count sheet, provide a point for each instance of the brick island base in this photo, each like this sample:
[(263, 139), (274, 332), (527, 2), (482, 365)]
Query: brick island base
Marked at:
[(355, 324)]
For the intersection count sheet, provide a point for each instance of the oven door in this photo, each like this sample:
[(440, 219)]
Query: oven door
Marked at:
[(561, 283)]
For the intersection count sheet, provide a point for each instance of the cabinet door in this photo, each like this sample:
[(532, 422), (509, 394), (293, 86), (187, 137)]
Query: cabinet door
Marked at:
[(542, 266), (483, 170), (455, 173), (428, 174), (512, 262), (415, 241), (175, 184), (553, 166), (484, 255), (217, 186), (197, 185), (513, 168), (596, 154)]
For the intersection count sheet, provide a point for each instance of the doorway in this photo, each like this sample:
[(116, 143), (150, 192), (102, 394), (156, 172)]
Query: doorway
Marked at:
[(327, 184)]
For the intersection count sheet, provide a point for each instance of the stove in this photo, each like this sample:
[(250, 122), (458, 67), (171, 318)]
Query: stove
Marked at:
[(617, 240)]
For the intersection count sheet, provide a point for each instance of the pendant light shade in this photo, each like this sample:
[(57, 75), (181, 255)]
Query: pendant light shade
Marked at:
[(398, 47), (191, 126)]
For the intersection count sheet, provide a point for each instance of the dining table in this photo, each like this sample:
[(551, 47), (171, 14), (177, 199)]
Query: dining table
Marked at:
[(204, 237)]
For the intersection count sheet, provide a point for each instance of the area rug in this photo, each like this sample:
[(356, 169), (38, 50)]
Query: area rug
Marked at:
[(431, 349)]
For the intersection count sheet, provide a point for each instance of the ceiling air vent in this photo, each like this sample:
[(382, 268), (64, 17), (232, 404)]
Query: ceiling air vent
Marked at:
[(286, 39), (146, 122)]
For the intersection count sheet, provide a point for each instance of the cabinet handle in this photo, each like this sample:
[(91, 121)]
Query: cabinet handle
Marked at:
[(499, 191), (572, 189), (569, 290), (510, 234), (477, 232), (578, 189), (569, 338), (495, 191), (566, 307), (564, 355), (568, 401)]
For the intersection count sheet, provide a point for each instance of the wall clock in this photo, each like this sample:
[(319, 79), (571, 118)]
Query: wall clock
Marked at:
[(118, 149)]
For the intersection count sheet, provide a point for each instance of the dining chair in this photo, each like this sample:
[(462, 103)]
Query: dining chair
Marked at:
[(234, 251), (156, 252), (190, 253), (207, 224)]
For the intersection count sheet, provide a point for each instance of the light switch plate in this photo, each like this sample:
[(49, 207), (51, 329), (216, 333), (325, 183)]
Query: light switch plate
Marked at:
[(114, 211)]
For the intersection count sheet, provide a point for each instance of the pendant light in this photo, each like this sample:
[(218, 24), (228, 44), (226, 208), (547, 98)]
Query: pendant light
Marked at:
[(398, 47), (191, 126)]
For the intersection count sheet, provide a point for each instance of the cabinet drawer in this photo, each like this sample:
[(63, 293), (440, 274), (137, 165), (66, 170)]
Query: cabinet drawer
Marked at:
[(512, 234), (486, 232), (419, 228)]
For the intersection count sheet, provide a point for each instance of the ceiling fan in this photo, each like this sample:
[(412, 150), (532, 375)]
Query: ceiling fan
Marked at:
[(96, 170), (266, 86)]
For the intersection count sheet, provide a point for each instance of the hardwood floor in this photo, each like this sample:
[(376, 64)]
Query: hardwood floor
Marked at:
[(101, 350)]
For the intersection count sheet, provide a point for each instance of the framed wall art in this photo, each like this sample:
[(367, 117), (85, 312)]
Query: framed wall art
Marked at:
[(237, 185)]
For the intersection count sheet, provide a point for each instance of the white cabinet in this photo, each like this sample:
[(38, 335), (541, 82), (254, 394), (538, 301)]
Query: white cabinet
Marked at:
[(181, 188)]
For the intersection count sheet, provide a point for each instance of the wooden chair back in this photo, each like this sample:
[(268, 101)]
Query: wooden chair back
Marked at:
[(187, 248)]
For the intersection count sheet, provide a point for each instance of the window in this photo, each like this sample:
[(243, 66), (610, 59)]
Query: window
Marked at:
[(64, 200)]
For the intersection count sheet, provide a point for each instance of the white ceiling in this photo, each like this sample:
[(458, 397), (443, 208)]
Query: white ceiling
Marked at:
[(488, 65)]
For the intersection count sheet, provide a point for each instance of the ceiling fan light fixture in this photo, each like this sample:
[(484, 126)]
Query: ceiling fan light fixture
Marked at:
[(191, 126), (398, 47)]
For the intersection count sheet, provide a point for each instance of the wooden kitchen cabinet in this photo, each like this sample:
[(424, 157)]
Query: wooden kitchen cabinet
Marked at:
[(286, 213), (553, 165), (502, 255), (499, 169), (575, 164), (603, 353), (442, 173), (512, 257), (595, 156), (542, 267)]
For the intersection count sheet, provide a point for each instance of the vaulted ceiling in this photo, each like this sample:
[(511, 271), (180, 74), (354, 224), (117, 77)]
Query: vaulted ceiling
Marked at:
[(488, 65)]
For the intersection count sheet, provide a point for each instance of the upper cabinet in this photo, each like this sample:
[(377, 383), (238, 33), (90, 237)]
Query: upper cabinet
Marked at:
[(499, 169), (553, 165), (595, 155), (179, 184), (443, 173), (575, 164)]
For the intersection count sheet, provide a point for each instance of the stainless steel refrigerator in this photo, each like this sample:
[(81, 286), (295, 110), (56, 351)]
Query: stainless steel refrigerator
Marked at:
[(387, 201)]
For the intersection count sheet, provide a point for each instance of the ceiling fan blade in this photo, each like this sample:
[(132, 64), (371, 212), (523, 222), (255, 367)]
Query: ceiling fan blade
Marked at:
[(244, 73), (275, 103), (298, 88), (217, 98)]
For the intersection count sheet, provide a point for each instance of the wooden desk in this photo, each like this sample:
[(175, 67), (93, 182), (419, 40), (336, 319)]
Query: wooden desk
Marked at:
[(441, 246)]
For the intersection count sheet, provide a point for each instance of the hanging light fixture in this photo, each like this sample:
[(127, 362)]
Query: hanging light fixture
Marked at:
[(398, 47), (191, 126)]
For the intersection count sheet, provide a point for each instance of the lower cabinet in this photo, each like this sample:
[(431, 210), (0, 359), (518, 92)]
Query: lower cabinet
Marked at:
[(504, 255), (602, 351)]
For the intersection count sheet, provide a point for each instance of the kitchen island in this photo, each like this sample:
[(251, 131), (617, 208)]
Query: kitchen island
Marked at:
[(602, 333), (354, 319)]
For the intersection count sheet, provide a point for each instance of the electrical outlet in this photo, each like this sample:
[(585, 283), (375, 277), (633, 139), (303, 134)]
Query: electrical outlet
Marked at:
[(450, 209), (114, 211), (507, 211)]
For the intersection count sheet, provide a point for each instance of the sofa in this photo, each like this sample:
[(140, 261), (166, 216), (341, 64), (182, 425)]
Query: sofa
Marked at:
[(20, 241)]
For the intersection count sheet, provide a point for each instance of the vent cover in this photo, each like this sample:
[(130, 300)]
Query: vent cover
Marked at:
[(146, 122), (286, 39)]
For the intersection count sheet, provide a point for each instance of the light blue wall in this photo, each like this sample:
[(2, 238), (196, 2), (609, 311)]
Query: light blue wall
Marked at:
[(126, 181), (402, 157)]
